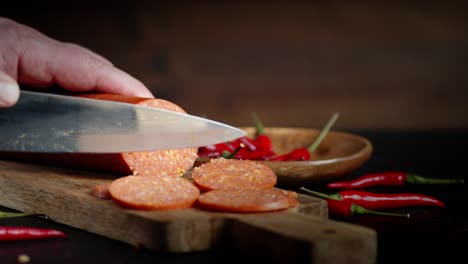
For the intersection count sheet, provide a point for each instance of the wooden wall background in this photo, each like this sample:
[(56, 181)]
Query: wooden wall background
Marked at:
[(294, 63)]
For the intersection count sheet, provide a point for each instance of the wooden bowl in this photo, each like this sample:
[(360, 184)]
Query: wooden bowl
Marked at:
[(339, 154)]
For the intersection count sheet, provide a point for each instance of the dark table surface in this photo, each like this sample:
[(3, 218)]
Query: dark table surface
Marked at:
[(431, 235)]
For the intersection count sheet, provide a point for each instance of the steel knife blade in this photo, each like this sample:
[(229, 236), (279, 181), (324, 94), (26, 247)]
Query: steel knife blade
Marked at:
[(53, 123)]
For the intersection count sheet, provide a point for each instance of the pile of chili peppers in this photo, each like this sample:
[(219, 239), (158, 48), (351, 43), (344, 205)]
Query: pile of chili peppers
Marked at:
[(260, 147), (350, 201)]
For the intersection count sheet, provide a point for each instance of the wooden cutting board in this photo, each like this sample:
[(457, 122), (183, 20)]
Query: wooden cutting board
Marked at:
[(300, 235)]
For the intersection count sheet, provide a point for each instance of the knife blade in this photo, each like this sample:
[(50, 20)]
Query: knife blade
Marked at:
[(53, 123)]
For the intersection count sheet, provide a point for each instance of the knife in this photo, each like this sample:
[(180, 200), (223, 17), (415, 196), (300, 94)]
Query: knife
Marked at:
[(53, 123)]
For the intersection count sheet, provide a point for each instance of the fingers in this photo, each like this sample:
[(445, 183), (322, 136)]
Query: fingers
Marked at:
[(9, 90), (89, 71), (42, 62), (78, 69)]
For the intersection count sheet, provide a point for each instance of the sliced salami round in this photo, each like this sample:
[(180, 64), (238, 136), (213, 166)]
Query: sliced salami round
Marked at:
[(223, 173), (153, 193), (247, 200), (101, 191)]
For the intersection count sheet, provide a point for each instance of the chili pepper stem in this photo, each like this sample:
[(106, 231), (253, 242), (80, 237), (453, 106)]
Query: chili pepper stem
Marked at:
[(13, 214), (323, 133), (228, 155), (321, 195), (416, 179), (258, 124), (359, 210)]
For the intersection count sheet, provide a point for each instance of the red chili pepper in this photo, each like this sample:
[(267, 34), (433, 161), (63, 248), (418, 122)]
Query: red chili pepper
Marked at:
[(258, 148), (259, 155), (262, 141), (296, 154), (216, 150), (27, 233), (388, 178), (379, 201), (344, 209), (305, 153), (241, 148), (249, 144), (241, 151), (231, 155)]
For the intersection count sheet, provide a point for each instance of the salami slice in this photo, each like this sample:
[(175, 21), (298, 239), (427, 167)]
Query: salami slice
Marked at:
[(223, 173), (172, 163), (247, 200), (153, 193), (101, 191)]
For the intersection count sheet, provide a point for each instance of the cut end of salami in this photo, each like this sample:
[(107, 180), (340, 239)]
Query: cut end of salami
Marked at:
[(233, 174), (170, 163), (248, 200), (165, 163), (153, 193)]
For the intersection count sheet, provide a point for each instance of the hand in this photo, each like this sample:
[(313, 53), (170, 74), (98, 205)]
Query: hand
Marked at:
[(28, 57)]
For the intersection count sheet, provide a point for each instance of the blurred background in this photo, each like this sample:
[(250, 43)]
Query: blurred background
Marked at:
[(294, 63)]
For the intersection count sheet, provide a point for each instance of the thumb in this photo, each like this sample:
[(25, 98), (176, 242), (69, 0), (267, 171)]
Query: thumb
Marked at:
[(9, 90)]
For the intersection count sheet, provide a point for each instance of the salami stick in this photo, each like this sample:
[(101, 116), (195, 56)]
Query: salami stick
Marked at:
[(173, 163)]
